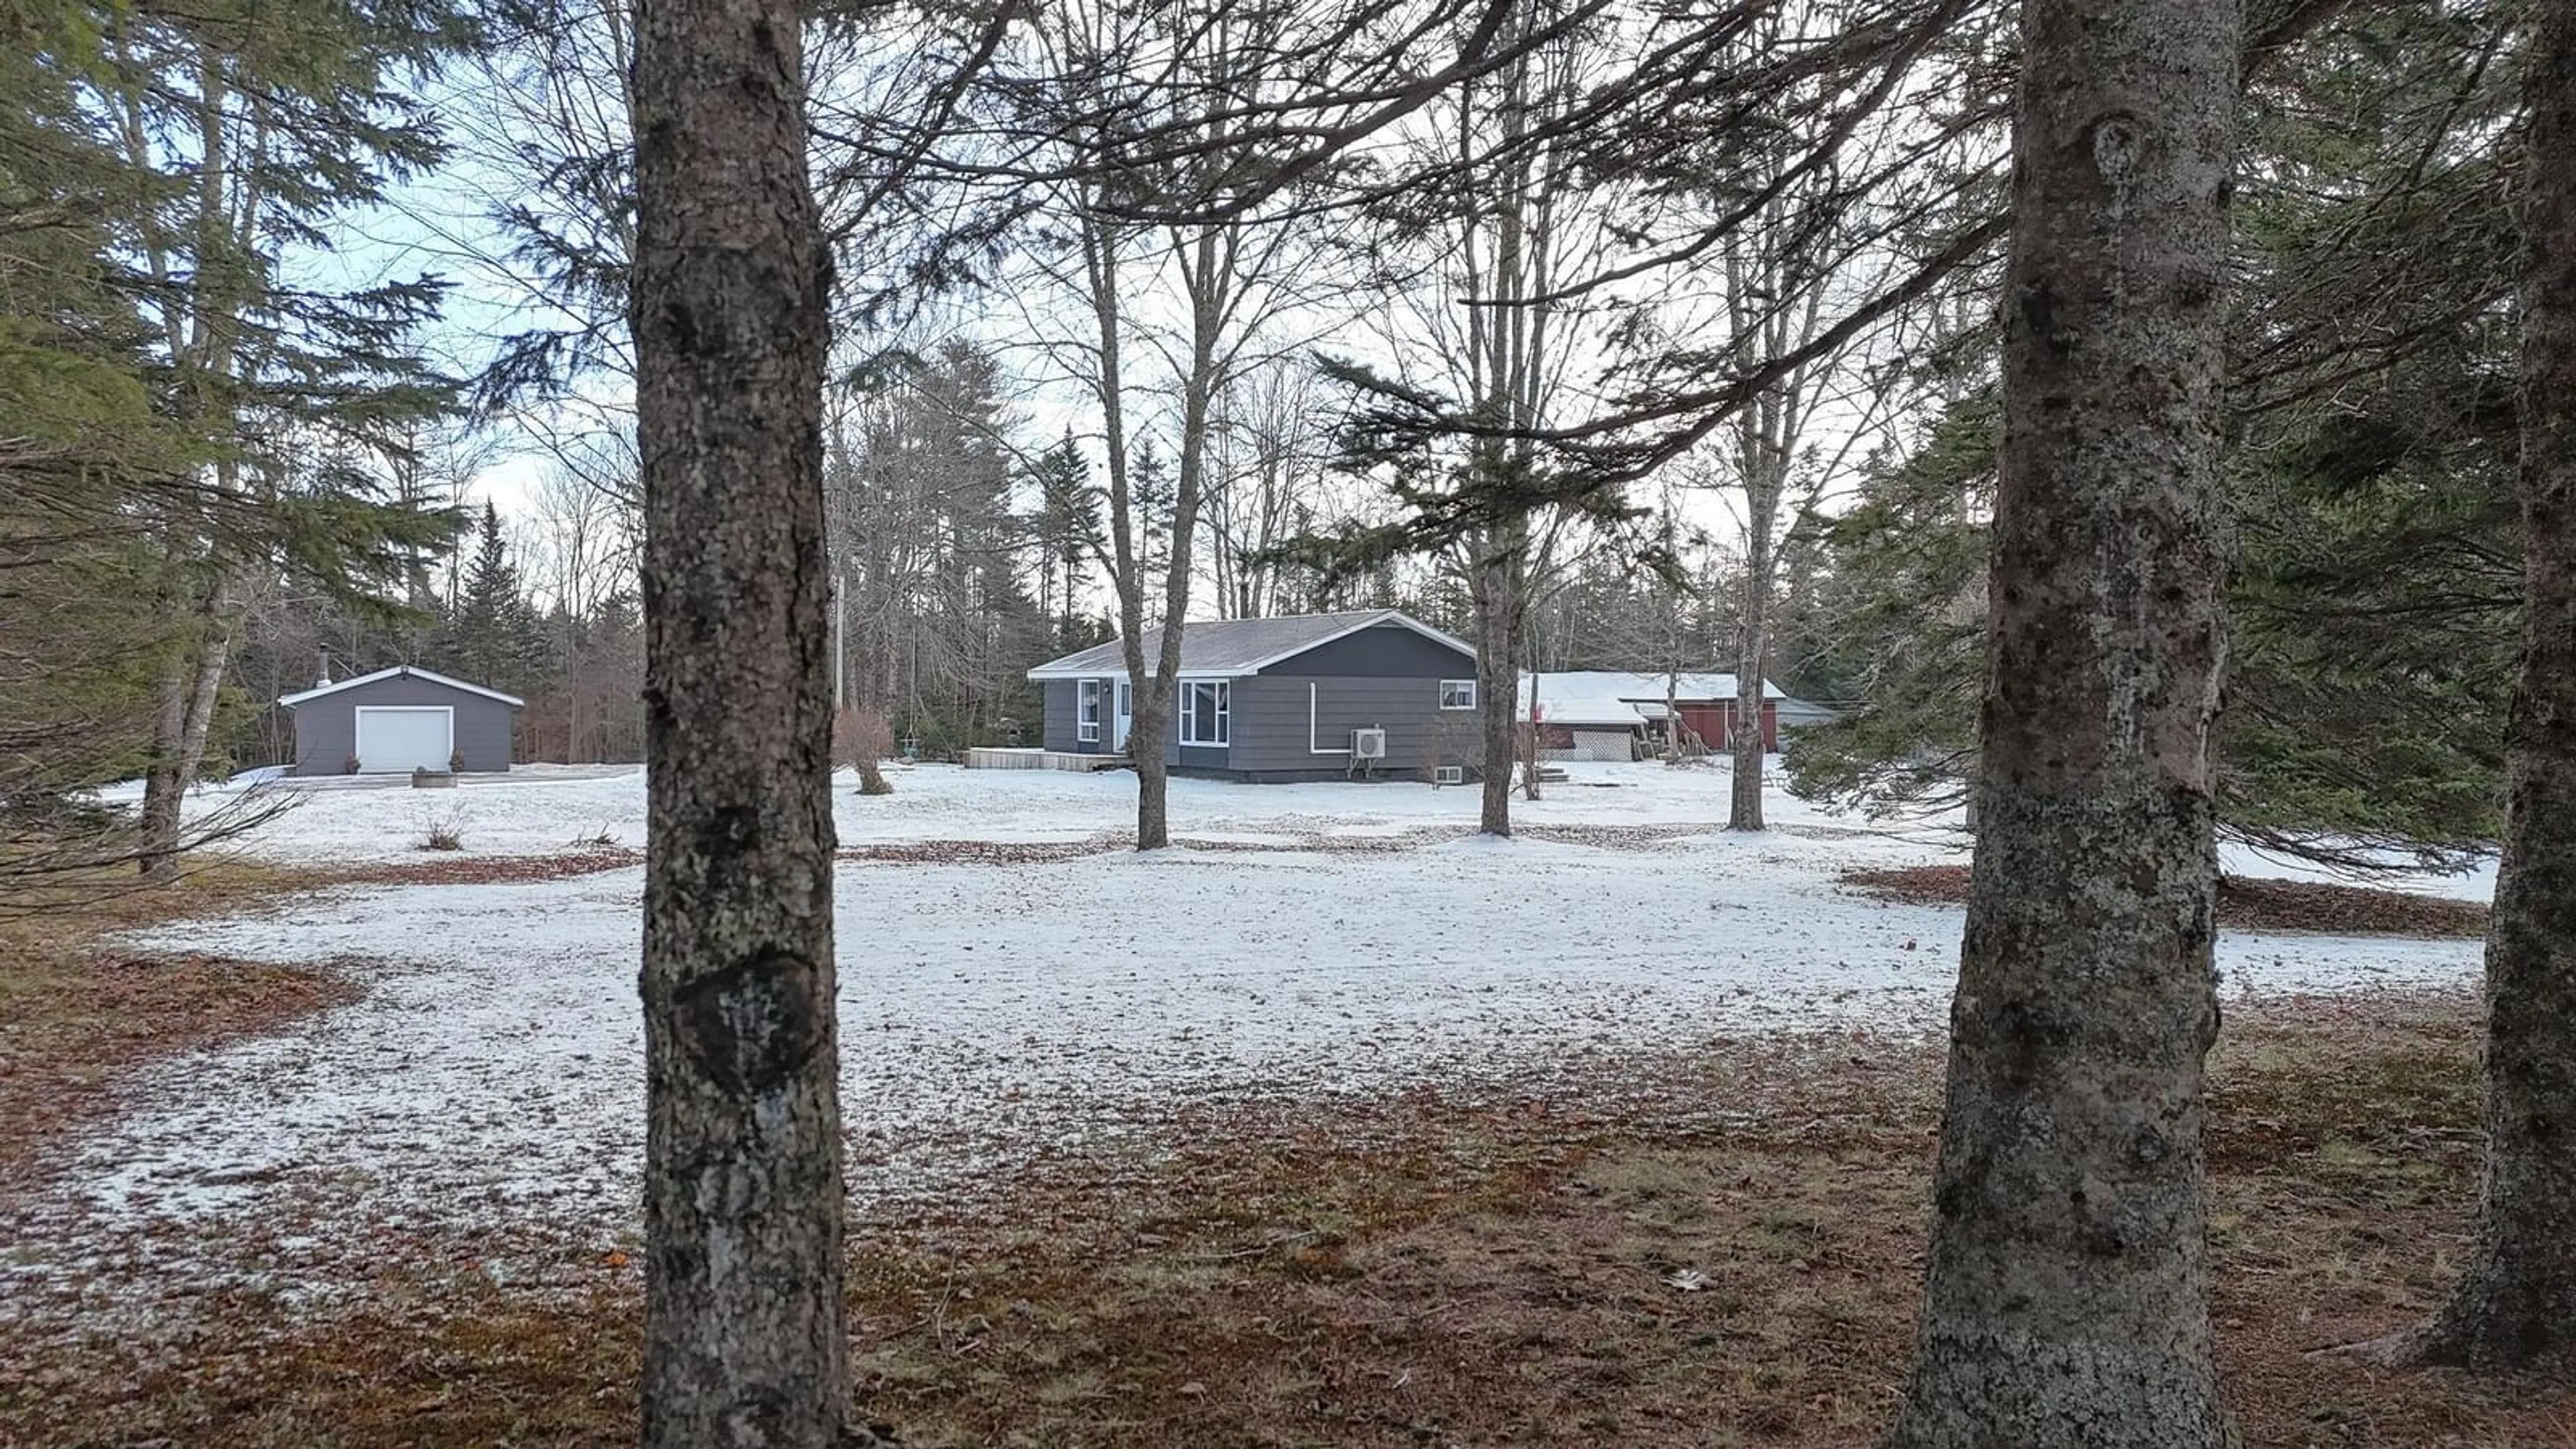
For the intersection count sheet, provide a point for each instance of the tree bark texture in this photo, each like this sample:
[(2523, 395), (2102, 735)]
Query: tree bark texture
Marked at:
[(743, 1198), (1752, 656), (2066, 1290), (191, 689), (1497, 585), (2515, 1305), (1200, 277)]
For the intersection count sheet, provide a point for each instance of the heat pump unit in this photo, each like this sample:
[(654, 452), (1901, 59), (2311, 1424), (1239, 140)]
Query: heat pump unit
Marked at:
[(1368, 744), (1448, 774)]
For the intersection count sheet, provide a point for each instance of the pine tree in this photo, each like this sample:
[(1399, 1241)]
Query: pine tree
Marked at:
[(1067, 528), (495, 637), (2514, 1308), (2066, 1283)]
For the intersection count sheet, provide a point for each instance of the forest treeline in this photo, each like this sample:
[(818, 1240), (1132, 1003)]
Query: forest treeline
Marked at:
[(1637, 341)]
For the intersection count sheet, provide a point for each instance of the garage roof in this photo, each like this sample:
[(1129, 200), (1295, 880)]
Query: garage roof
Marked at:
[(318, 691)]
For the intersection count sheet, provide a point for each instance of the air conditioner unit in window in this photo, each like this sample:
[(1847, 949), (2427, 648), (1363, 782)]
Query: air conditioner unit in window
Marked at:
[(1448, 774), (1368, 744)]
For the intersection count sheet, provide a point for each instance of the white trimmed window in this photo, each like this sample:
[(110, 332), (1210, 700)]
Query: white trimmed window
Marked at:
[(1086, 719), (1203, 711), (1457, 694)]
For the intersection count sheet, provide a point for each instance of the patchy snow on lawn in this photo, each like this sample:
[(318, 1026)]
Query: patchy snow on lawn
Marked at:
[(1320, 939)]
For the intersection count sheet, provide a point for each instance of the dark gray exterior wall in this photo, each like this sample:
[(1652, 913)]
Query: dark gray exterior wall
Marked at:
[(1383, 676), (326, 729), (1064, 717), (1271, 723), (1381, 651), (1061, 717)]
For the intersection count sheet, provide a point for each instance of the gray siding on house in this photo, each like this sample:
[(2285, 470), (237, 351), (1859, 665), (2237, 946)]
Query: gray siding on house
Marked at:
[(1381, 651), (1386, 675), (1271, 723), (1061, 717), (326, 729), (1064, 718)]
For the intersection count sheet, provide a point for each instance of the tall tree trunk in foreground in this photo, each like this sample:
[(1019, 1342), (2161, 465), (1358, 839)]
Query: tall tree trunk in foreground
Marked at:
[(2515, 1306), (744, 1344), (1752, 655), (192, 690), (1498, 583), (2066, 1293)]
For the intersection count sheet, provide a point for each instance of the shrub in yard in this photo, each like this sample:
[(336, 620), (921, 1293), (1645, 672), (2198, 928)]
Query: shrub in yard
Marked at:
[(445, 830), (862, 737), (349, 766), (456, 762)]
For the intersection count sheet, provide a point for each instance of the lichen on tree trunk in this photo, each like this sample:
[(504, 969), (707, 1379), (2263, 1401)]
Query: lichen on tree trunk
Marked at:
[(2515, 1304), (191, 689), (2066, 1287), (743, 1199)]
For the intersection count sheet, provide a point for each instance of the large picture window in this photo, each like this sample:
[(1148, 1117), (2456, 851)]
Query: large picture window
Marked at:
[(1086, 720), (1457, 694), (1203, 712)]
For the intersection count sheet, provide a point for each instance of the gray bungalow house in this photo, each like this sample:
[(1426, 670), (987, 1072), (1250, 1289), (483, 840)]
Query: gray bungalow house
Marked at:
[(398, 720), (1371, 693)]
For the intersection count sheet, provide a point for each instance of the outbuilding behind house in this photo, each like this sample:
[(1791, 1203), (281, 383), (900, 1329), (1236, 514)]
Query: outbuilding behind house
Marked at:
[(398, 720)]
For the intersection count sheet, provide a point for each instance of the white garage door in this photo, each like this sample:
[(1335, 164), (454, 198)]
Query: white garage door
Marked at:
[(401, 740)]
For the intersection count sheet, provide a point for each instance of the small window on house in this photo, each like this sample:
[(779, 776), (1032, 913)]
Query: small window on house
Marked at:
[(1203, 712), (1086, 727), (1457, 694)]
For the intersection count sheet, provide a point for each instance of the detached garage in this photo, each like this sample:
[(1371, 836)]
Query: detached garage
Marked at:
[(398, 720)]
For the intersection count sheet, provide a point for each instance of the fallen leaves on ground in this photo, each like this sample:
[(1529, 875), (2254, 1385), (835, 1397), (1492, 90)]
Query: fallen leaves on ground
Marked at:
[(2244, 902), (480, 870), (1424, 1269)]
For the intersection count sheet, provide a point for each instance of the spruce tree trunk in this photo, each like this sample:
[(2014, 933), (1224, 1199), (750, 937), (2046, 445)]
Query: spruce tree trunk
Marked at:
[(743, 1200), (2066, 1297), (2515, 1305), (164, 787)]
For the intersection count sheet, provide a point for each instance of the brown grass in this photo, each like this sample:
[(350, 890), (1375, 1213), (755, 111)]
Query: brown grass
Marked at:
[(77, 1012), (1432, 1272)]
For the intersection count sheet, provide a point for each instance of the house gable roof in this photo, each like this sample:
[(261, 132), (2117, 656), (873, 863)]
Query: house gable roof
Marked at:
[(399, 671), (1230, 648)]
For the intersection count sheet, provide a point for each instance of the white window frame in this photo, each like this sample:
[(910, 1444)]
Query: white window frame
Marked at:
[(1224, 711), (1450, 694), (1086, 711)]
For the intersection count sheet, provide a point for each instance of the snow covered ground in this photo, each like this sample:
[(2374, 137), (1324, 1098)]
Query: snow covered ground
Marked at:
[(995, 1015)]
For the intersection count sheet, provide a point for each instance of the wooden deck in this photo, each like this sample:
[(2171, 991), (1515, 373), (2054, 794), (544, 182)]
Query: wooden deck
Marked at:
[(1002, 759)]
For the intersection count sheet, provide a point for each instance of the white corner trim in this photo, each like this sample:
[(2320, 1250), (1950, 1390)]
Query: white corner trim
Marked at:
[(1311, 747)]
